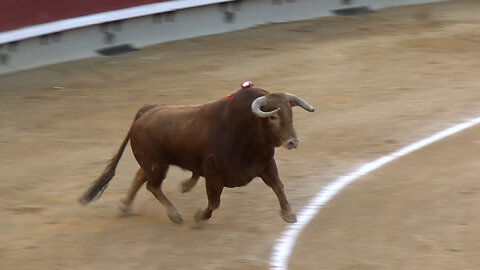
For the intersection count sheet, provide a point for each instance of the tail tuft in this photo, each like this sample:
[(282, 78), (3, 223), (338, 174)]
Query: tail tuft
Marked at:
[(96, 189)]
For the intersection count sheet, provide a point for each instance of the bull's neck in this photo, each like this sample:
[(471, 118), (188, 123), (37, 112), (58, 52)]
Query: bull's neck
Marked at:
[(251, 137)]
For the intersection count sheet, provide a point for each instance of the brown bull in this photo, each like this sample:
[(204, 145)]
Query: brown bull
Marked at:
[(228, 142)]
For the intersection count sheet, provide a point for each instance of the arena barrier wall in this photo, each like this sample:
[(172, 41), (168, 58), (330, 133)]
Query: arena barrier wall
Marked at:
[(130, 28)]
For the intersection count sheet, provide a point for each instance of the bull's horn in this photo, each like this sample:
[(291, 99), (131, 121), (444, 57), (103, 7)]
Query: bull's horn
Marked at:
[(294, 100), (257, 104)]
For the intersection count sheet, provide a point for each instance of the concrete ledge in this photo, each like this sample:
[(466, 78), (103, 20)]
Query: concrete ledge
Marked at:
[(145, 25)]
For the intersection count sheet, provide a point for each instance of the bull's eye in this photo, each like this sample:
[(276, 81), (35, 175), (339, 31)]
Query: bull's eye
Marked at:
[(273, 118)]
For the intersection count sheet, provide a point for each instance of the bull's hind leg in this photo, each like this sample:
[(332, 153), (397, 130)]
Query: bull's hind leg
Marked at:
[(140, 178), (189, 183), (154, 185)]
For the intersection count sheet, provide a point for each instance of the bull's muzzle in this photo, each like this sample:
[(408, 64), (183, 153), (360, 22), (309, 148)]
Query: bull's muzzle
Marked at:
[(291, 143)]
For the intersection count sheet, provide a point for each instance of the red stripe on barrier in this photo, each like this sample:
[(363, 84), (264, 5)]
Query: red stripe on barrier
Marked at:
[(22, 13)]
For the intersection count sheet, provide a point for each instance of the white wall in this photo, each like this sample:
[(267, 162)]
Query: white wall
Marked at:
[(185, 23)]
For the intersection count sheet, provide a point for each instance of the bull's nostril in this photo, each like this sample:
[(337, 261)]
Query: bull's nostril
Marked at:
[(292, 143)]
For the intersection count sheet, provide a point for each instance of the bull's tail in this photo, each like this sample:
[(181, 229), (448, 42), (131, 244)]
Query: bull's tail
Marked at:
[(97, 187)]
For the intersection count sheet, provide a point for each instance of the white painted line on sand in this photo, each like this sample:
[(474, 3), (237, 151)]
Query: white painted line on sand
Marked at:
[(284, 245)]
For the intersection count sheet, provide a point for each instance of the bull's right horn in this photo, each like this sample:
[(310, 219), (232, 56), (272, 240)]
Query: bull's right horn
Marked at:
[(299, 102), (256, 107)]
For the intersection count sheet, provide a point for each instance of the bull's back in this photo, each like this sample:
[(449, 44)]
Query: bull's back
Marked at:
[(170, 134)]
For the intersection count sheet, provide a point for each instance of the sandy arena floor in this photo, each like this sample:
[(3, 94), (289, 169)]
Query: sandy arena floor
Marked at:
[(378, 81)]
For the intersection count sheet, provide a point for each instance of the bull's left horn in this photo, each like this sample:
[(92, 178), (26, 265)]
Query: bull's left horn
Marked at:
[(294, 100), (256, 107)]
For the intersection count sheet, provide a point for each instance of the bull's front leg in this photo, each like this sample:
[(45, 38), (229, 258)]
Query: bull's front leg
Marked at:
[(272, 179), (214, 191)]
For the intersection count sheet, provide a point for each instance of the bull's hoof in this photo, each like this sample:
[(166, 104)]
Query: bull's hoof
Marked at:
[(175, 217), (186, 186), (289, 217), (124, 207), (199, 221)]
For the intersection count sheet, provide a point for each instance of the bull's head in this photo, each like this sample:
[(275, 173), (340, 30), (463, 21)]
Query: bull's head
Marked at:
[(277, 109)]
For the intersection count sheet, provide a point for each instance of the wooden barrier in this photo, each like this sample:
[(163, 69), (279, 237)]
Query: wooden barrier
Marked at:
[(135, 27)]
